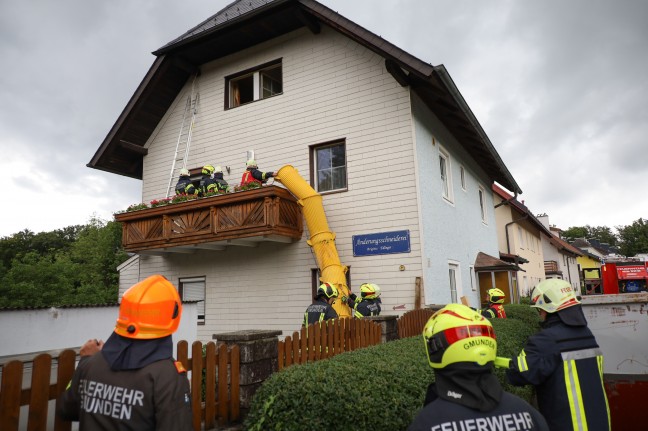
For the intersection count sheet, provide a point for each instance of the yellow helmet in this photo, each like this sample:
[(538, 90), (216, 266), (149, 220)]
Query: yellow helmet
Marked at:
[(208, 170), (553, 295), (495, 295), (149, 309), (457, 333), (369, 291), (327, 289), (251, 163)]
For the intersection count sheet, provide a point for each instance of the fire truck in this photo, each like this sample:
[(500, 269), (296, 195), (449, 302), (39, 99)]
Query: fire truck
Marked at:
[(616, 276)]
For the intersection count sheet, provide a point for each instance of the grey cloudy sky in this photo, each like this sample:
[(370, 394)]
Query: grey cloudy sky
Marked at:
[(558, 85)]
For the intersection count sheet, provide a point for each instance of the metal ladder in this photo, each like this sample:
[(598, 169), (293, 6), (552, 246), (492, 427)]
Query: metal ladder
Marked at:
[(184, 138)]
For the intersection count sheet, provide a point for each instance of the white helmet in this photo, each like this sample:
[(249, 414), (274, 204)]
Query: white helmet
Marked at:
[(218, 170), (251, 163), (184, 172)]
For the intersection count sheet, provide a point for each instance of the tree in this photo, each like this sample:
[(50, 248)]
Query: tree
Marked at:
[(634, 237), (601, 233)]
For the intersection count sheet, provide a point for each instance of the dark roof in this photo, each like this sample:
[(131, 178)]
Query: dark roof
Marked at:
[(486, 262), (246, 23), (563, 245), (512, 201)]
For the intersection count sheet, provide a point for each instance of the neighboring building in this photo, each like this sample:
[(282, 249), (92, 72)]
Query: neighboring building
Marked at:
[(385, 138), (560, 256), (519, 235), (589, 266)]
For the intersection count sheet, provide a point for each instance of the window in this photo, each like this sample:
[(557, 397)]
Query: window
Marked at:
[(254, 84), (521, 236), (446, 179), (315, 279), (328, 167), (193, 289), (453, 270), (482, 203), (462, 174)]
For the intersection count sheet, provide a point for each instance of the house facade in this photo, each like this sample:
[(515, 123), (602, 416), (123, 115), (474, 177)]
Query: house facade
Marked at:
[(560, 257), (385, 138), (520, 235)]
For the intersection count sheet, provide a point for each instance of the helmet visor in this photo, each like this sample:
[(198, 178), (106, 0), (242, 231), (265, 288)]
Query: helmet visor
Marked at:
[(437, 344)]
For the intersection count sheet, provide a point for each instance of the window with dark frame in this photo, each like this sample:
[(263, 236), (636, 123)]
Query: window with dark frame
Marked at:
[(315, 279), (328, 165), (193, 289), (258, 83)]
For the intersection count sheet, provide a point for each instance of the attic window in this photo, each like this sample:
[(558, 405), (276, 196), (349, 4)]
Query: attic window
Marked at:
[(258, 83)]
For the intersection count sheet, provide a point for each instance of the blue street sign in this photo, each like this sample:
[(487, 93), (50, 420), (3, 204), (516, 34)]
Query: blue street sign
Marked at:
[(381, 243)]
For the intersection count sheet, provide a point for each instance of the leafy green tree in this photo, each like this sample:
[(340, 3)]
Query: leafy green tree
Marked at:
[(601, 233), (634, 237)]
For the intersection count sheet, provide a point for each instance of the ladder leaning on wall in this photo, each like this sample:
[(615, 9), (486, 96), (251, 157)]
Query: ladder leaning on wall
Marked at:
[(184, 137)]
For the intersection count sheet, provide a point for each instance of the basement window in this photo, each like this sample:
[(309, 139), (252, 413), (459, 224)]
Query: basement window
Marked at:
[(254, 84)]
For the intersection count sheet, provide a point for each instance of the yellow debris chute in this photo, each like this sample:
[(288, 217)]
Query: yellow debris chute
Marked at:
[(322, 240)]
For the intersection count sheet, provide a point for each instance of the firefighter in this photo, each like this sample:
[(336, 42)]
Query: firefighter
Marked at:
[(132, 382), (184, 186), (368, 303), (208, 183), (564, 362), (495, 307), (460, 345), (253, 175), (322, 307), (220, 183)]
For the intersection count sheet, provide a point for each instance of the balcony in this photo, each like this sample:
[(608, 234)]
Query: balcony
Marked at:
[(551, 268), (244, 218)]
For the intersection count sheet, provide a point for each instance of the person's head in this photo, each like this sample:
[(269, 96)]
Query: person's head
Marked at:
[(208, 170), (251, 164), (327, 291), (218, 170), (184, 172), (495, 296), (149, 309), (369, 291), (457, 334), (555, 296)]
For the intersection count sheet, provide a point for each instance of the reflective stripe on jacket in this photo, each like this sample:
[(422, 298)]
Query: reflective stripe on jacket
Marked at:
[(565, 365)]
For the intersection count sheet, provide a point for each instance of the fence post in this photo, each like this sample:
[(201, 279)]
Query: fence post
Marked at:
[(389, 326), (259, 352)]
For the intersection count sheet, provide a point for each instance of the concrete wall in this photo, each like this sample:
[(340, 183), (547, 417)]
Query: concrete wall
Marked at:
[(30, 331)]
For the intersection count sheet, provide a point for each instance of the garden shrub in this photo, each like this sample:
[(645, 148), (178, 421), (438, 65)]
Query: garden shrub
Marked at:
[(378, 388)]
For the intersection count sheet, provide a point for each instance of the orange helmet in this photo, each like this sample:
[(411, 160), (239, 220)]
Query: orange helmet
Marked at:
[(149, 309)]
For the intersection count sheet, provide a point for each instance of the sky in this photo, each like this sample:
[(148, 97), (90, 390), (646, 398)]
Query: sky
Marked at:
[(559, 86)]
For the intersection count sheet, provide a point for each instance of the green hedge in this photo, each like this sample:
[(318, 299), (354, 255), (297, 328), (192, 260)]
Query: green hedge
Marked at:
[(378, 388)]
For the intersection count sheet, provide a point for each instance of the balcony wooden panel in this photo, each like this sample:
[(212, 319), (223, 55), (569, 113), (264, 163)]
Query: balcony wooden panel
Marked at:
[(270, 213)]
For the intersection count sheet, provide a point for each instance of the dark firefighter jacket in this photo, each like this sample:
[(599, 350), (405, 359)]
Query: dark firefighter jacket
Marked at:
[(319, 311), (129, 385), (512, 413), (185, 186), (494, 311), (367, 307), (565, 365)]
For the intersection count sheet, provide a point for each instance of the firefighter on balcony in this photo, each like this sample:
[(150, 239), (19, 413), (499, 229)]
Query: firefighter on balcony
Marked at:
[(322, 307), (184, 186), (466, 394), (253, 175), (563, 361), (132, 381), (368, 303), (212, 180), (495, 307)]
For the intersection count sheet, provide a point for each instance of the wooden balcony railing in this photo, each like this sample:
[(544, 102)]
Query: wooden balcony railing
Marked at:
[(551, 267), (269, 213)]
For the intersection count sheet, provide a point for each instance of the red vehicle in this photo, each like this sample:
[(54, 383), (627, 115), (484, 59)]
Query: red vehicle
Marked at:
[(624, 277)]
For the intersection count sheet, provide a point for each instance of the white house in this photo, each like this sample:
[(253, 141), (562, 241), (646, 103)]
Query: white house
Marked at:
[(560, 257), (386, 139)]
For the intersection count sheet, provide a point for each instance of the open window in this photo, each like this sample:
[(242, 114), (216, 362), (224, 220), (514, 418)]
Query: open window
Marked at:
[(258, 83)]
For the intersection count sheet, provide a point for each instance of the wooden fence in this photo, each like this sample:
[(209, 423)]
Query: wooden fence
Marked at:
[(412, 323), (330, 338), (214, 390)]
